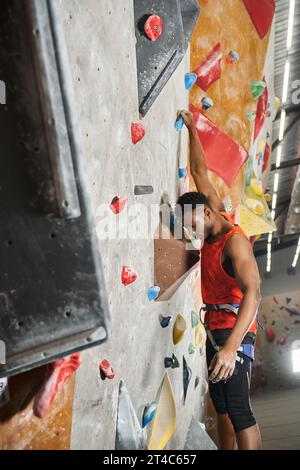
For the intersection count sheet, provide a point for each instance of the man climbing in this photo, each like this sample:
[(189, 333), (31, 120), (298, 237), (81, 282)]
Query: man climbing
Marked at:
[(230, 285)]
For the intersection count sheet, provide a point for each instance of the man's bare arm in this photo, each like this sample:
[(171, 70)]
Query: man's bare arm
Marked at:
[(239, 250), (198, 165)]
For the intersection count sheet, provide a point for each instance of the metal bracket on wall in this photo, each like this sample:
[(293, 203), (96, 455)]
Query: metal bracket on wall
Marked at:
[(52, 295), (157, 61)]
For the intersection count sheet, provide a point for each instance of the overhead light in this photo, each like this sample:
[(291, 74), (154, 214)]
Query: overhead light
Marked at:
[(270, 237), (268, 269), (273, 214), (278, 158), (296, 355), (296, 209), (282, 123), (274, 200), (276, 178), (285, 81), (290, 25)]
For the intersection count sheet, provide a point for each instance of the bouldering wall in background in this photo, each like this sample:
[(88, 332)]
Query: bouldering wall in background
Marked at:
[(280, 318)]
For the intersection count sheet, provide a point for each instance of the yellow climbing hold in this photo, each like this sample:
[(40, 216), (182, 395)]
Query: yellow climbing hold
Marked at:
[(256, 186), (255, 206), (179, 328), (164, 422), (277, 103)]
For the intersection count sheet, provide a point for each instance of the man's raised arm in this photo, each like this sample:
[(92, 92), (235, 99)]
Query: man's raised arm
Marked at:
[(198, 165)]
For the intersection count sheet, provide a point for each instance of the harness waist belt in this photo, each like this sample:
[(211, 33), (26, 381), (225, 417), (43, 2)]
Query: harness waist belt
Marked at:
[(232, 308)]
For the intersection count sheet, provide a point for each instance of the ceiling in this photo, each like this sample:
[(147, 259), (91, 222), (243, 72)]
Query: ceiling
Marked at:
[(288, 194)]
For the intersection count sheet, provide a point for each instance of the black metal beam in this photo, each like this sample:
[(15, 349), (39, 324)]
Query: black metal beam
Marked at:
[(287, 130), (285, 164), (290, 108)]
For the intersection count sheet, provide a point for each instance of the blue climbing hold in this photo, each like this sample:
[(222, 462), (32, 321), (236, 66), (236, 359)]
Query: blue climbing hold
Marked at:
[(153, 292), (182, 172), (179, 123), (149, 413), (189, 80), (164, 321), (206, 103)]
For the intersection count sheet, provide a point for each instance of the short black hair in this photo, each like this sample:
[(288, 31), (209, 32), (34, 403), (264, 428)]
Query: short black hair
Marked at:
[(193, 199), (188, 201)]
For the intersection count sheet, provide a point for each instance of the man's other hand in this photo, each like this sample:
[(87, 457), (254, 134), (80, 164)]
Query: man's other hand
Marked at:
[(222, 365)]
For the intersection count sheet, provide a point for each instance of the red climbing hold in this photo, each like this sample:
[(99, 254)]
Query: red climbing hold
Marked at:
[(137, 132), (270, 334), (57, 373), (262, 112), (118, 204), (210, 69), (266, 158), (128, 275), (282, 340), (106, 370), (213, 139), (261, 14), (153, 27)]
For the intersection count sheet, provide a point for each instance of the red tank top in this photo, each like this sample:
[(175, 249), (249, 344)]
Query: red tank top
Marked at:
[(217, 286)]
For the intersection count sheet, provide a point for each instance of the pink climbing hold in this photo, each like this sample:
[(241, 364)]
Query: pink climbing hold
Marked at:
[(118, 204), (128, 275), (270, 334), (137, 132), (282, 340), (210, 69), (153, 27), (106, 370), (57, 373)]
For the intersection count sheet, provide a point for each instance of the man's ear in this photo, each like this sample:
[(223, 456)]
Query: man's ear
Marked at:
[(207, 211)]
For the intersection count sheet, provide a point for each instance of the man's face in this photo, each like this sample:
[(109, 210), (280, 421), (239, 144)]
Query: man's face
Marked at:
[(196, 224)]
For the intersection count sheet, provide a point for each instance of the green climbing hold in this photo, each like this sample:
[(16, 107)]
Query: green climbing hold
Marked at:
[(191, 348), (195, 319), (257, 88)]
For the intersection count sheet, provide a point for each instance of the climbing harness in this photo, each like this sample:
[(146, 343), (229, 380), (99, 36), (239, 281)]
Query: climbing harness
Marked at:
[(247, 349)]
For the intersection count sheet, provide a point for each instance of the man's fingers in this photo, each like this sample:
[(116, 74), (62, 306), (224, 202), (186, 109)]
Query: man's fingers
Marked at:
[(221, 374), (215, 371), (212, 362)]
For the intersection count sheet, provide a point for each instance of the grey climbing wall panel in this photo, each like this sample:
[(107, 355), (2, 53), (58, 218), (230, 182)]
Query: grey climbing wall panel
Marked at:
[(52, 294), (156, 61)]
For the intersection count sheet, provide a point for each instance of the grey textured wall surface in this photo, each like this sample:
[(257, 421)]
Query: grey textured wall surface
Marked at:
[(101, 44)]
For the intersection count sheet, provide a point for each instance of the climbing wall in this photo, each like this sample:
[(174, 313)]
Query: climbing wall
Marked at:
[(104, 72), (231, 56)]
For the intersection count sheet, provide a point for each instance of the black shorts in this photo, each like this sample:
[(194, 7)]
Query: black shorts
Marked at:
[(233, 396)]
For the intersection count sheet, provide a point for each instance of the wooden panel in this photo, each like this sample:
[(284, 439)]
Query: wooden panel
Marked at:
[(21, 430)]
